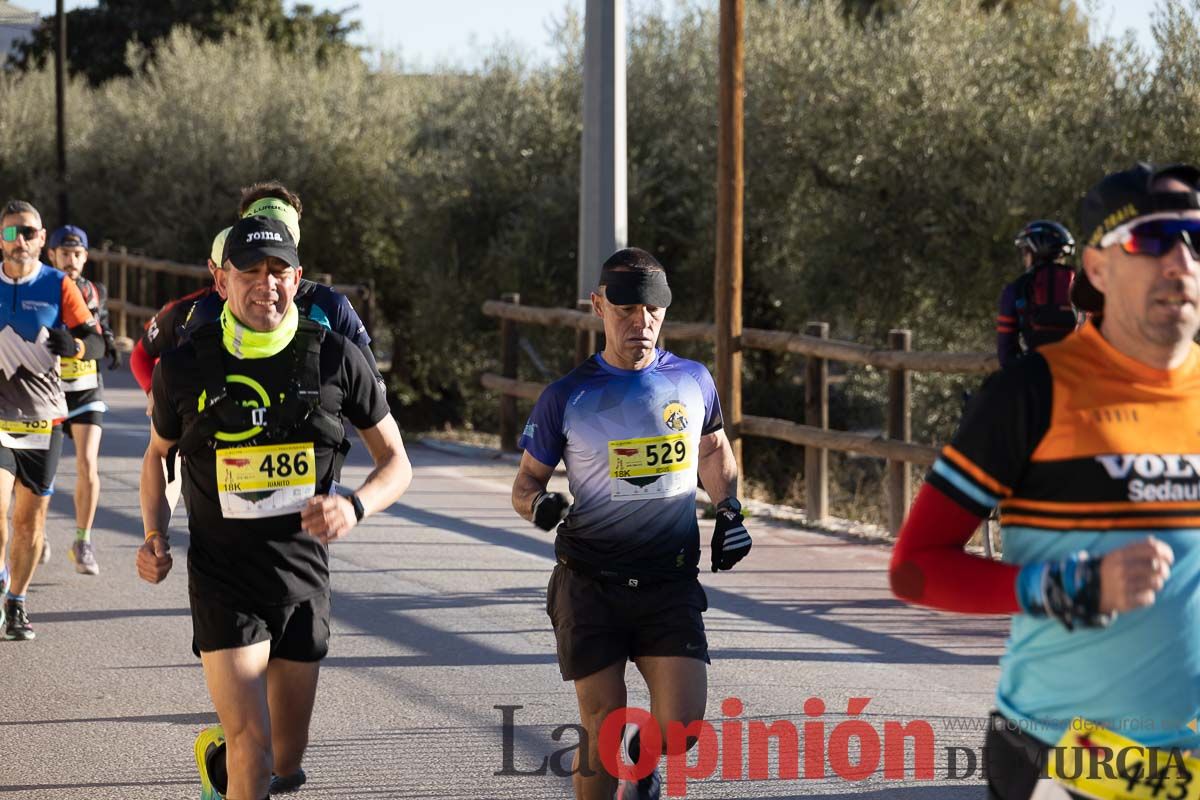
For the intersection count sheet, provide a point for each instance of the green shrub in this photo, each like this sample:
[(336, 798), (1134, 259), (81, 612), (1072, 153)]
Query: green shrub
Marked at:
[(888, 165)]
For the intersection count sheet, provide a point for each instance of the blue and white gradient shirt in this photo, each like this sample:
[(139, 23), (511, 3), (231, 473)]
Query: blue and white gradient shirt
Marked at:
[(630, 440)]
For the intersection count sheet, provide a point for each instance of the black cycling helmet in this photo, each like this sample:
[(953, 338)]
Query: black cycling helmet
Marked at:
[(1045, 240)]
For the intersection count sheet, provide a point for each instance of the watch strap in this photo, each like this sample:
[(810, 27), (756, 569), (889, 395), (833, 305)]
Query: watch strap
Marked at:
[(359, 511)]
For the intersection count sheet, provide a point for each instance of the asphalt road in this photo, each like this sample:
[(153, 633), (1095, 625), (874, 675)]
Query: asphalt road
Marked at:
[(438, 618)]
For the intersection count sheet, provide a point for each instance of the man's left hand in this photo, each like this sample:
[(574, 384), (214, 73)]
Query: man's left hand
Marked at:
[(731, 541), (328, 517)]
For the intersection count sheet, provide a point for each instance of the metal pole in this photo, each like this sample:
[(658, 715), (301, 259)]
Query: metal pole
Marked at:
[(728, 273), (60, 60), (603, 215)]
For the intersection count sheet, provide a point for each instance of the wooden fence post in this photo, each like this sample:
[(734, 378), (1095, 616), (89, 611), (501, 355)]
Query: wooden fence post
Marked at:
[(585, 341), (508, 368), (102, 262), (123, 291), (143, 287), (899, 474), (816, 413)]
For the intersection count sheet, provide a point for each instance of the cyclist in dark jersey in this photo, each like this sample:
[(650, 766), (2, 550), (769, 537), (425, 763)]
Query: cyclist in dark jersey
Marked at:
[(1036, 309), (1091, 449)]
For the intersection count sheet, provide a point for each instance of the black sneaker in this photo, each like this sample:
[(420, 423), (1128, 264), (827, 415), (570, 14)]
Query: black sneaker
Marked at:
[(283, 784), (18, 628), (648, 788)]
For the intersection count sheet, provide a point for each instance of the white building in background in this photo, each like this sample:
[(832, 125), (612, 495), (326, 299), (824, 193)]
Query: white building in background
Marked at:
[(16, 25)]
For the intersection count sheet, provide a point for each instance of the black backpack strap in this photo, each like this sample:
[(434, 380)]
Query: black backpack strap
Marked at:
[(303, 397), (206, 341)]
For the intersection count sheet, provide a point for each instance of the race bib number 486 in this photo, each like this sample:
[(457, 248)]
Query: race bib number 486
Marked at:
[(654, 466), (266, 481)]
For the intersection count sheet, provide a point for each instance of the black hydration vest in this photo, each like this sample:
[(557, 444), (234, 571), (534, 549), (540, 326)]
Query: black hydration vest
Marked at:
[(298, 415)]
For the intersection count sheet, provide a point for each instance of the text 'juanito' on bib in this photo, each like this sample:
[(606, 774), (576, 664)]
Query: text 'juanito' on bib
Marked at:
[(654, 466), (267, 481)]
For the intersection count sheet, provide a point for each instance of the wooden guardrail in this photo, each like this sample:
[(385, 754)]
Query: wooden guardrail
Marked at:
[(138, 286), (813, 434)]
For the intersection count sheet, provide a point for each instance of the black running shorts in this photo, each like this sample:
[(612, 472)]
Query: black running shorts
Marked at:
[(597, 624), (297, 632), (86, 418), (1015, 761), (35, 469), (76, 400)]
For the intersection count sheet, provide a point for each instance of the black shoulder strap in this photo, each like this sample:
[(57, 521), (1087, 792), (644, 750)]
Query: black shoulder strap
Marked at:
[(307, 344), (207, 342)]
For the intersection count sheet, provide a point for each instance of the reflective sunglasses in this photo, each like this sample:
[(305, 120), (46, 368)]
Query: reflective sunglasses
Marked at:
[(1157, 237), (11, 232)]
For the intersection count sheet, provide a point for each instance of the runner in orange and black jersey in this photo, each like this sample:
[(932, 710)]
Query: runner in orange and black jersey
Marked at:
[(1090, 447)]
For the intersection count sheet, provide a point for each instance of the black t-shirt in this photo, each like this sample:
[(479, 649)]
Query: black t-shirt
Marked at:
[(267, 560)]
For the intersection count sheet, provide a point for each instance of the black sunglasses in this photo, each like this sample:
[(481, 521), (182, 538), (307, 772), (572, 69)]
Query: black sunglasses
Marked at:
[(11, 232)]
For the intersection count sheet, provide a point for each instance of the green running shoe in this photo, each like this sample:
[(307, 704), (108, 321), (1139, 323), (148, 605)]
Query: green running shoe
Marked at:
[(206, 745)]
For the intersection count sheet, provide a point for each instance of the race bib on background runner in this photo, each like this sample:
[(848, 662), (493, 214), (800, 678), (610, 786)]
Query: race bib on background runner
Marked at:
[(33, 434), (79, 376), (267, 481), (651, 467)]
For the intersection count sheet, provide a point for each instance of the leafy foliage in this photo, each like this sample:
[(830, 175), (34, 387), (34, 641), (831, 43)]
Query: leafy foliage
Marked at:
[(98, 36), (888, 166)]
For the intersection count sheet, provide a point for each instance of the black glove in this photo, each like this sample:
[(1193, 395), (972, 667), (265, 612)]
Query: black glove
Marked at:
[(731, 541), (114, 356), (62, 343), (549, 509)]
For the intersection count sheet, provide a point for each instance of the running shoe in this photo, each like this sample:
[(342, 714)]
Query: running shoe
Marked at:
[(84, 556), (208, 743), (17, 629), (648, 788), (3, 594), (285, 784), (45, 557)]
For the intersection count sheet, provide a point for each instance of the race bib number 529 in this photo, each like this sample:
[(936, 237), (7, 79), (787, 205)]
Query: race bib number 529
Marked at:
[(654, 466), (266, 481)]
